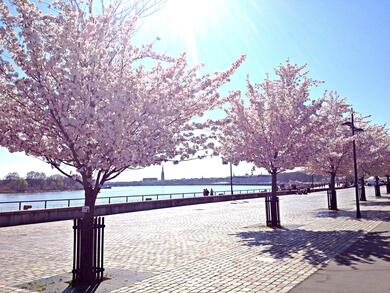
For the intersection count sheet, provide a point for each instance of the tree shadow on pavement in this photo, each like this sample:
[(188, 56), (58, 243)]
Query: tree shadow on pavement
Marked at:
[(317, 247), (365, 214), (375, 203), (82, 288), (374, 245), (372, 196)]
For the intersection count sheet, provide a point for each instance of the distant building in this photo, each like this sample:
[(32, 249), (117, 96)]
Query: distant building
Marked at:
[(150, 179), (162, 173)]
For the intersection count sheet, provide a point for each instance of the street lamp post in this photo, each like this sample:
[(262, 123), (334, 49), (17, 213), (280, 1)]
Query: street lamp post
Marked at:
[(358, 215), (354, 129), (231, 174), (231, 178)]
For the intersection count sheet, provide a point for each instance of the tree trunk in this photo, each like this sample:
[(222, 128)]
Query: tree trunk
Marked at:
[(363, 190), (333, 198), (377, 187), (387, 183), (274, 202), (86, 265), (274, 184)]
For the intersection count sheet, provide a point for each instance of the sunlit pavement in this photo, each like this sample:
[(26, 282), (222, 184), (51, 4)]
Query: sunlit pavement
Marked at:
[(217, 247)]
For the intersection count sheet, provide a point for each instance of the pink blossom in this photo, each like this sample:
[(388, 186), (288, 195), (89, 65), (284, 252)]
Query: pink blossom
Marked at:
[(76, 91)]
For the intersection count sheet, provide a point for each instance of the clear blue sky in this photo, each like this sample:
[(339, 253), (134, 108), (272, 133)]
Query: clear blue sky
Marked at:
[(345, 43)]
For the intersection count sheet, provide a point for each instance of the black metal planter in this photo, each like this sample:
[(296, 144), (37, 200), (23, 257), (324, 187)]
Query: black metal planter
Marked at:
[(377, 190), (97, 251), (272, 211), (362, 193), (332, 200)]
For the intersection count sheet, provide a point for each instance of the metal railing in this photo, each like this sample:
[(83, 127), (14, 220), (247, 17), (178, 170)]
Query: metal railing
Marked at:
[(74, 202)]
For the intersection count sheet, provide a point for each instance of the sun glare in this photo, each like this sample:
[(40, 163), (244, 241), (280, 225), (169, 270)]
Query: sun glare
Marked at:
[(186, 16), (187, 20)]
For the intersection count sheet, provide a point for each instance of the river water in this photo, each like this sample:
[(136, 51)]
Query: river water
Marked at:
[(134, 193)]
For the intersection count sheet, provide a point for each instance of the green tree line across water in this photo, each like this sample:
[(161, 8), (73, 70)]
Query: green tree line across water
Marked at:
[(36, 182)]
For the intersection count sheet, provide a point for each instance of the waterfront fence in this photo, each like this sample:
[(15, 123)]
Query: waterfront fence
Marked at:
[(74, 202)]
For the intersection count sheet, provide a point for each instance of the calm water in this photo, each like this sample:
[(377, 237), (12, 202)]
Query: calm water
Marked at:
[(134, 192)]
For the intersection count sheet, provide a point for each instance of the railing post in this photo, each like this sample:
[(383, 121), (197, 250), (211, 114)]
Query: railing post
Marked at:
[(127, 199), (68, 203), (95, 263), (102, 250), (45, 204), (20, 205), (76, 249), (99, 248)]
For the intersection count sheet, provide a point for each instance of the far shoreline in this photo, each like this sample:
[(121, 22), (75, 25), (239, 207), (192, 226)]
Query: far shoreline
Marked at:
[(37, 191)]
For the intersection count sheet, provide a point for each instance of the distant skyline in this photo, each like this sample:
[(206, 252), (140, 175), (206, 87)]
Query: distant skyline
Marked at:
[(344, 43)]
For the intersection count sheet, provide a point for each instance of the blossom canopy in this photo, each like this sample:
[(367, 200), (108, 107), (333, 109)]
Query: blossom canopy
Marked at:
[(76, 91)]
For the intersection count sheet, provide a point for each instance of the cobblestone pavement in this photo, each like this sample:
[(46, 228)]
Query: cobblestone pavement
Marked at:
[(217, 247)]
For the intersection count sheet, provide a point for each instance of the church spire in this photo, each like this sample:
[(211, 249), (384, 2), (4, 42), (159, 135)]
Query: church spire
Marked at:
[(162, 173)]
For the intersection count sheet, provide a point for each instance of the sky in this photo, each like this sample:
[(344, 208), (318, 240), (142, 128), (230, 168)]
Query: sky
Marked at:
[(344, 43)]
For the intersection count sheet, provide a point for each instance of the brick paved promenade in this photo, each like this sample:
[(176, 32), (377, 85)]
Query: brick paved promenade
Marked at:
[(218, 247)]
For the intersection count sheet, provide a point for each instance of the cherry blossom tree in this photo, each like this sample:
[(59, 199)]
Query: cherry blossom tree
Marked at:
[(386, 164), (77, 92), (373, 145), (274, 130), (333, 142)]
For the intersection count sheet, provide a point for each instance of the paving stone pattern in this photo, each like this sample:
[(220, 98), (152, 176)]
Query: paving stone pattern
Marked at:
[(217, 247)]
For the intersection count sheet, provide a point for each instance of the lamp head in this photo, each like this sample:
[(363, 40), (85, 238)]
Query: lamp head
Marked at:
[(358, 129), (348, 123)]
